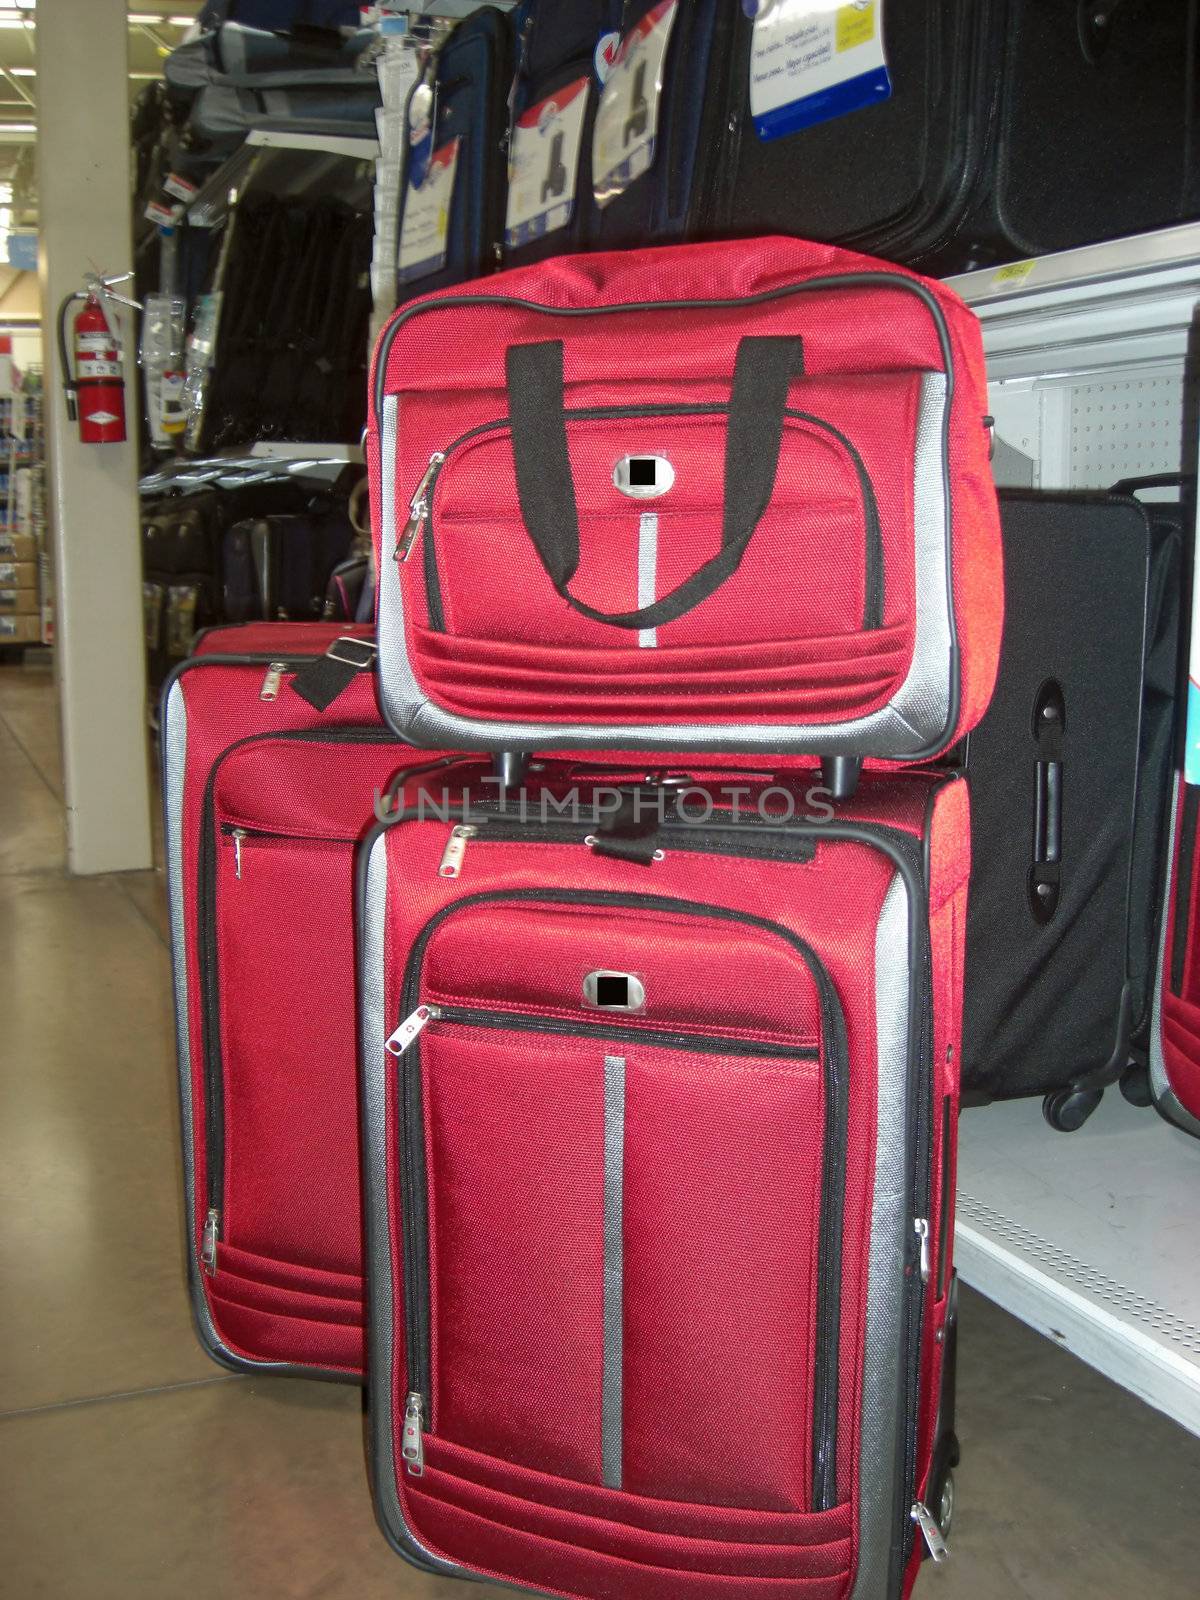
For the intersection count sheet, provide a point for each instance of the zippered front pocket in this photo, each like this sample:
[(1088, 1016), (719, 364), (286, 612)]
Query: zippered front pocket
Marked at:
[(553, 1170), (466, 508)]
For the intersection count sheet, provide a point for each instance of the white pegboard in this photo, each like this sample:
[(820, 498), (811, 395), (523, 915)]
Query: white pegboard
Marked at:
[(1124, 428)]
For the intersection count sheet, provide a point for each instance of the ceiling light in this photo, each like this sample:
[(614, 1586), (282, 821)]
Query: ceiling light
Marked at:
[(147, 17), (22, 72), (18, 127), (181, 22)]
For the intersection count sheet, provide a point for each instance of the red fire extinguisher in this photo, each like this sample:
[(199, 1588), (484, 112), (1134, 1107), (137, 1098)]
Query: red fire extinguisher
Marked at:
[(93, 373)]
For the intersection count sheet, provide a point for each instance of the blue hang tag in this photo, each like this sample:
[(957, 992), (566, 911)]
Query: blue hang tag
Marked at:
[(812, 61)]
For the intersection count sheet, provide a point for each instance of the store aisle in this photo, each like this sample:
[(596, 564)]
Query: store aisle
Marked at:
[(131, 1467)]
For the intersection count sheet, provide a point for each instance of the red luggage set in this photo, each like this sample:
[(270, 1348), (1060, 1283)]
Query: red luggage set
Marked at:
[(656, 1055)]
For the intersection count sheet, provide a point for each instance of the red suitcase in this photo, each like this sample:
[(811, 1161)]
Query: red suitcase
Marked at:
[(659, 1168), (727, 496), (1175, 1019), (265, 798)]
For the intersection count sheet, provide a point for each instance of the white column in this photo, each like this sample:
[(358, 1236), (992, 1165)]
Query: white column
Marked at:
[(84, 206)]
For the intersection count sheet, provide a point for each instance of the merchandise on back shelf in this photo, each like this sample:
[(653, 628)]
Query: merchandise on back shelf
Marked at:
[(452, 208), (862, 126)]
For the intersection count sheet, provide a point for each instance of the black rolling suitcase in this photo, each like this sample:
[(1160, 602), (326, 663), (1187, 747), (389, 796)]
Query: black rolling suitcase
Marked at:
[(890, 178), (1095, 126), (1070, 781), (294, 558)]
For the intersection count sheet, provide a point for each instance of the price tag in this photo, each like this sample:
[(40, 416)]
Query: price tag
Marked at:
[(626, 131), (545, 165), (426, 221), (810, 62)]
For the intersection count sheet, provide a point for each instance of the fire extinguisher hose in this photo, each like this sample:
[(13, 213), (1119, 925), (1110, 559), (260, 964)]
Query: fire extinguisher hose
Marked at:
[(70, 391)]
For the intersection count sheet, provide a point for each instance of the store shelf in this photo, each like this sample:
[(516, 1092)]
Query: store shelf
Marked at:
[(1093, 1238), (283, 161), (303, 450)]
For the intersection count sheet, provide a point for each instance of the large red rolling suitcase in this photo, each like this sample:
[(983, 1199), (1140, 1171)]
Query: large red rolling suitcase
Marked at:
[(708, 497), (265, 797), (659, 1096)]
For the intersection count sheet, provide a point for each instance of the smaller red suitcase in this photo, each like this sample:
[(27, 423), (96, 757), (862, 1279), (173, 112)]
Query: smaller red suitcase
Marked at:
[(265, 797)]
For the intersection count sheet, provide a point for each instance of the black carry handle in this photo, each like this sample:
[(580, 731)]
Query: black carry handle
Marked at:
[(1045, 871), (762, 373), (1153, 480)]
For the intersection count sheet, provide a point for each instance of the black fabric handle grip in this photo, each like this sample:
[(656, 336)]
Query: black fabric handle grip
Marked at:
[(762, 373)]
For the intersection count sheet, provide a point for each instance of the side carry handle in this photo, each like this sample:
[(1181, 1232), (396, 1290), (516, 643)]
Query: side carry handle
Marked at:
[(1045, 872)]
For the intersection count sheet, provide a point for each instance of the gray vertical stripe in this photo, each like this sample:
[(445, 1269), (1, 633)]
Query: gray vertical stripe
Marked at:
[(883, 1383), (612, 1440), (648, 571)]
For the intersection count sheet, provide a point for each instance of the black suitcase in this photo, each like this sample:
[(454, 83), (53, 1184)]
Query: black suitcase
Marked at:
[(556, 91), (891, 179), (294, 557), (1094, 129), (1070, 782)]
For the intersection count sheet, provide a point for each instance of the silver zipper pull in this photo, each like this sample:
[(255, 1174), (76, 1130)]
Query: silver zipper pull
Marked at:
[(208, 1242), (411, 1027), (456, 849), (418, 507), (412, 1442), (274, 677), (921, 1227), (238, 835), (928, 1524)]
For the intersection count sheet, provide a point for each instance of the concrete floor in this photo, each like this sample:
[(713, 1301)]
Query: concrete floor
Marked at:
[(131, 1467)]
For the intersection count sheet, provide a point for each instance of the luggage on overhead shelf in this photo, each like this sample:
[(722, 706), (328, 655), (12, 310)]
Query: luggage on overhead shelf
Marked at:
[(573, 1034), (796, 550), (278, 15), (231, 78), (1093, 134), (562, 50), (880, 162), (648, 140), (453, 202), (1070, 773), (264, 799)]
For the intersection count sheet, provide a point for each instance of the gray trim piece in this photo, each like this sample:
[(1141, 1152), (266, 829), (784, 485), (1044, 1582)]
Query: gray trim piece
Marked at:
[(1166, 1100), (907, 727), (381, 1322), (884, 1384), (647, 587), (174, 736), (612, 1421)]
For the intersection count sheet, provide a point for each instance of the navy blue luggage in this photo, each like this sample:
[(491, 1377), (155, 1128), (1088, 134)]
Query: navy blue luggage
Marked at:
[(452, 213), (655, 137), (562, 50)]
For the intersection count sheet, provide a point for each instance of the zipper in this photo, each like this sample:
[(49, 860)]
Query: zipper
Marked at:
[(493, 829), (708, 1044), (421, 504), (239, 836), (924, 1519), (274, 677), (846, 280), (415, 1234), (206, 949)]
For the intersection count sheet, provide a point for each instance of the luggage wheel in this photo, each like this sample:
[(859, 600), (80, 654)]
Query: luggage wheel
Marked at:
[(1135, 1086), (1066, 1110)]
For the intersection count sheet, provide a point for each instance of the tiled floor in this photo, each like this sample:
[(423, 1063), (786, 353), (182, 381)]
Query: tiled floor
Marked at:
[(131, 1467)]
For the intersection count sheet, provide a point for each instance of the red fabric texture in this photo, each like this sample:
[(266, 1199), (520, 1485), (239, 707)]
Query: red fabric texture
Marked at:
[(782, 640), (1179, 1033), (722, 1158), (288, 1285)]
